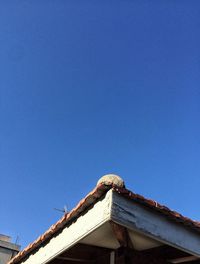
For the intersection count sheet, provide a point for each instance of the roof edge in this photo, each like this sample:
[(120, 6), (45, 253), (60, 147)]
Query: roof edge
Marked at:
[(98, 192)]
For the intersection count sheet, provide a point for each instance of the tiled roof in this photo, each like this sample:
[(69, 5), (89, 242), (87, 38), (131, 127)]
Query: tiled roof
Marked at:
[(90, 199)]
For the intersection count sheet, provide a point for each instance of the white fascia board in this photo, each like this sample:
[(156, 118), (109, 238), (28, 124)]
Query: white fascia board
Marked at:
[(137, 217), (72, 234)]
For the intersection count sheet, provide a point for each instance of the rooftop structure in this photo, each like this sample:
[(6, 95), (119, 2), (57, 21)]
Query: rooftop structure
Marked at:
[(7, 249), (114, 225)]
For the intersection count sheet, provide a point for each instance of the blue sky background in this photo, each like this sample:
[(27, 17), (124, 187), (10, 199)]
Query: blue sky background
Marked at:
[(93, 87)]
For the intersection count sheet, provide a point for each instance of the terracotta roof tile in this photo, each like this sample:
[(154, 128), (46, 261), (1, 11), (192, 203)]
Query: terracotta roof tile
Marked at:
[(89, 200), (160, 208)]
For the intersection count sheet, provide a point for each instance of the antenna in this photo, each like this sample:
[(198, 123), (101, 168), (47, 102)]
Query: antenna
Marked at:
[(17, 240), (64, 210), (15, 252)]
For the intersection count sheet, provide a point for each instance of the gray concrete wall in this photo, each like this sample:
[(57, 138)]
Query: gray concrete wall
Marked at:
[(7, 249)]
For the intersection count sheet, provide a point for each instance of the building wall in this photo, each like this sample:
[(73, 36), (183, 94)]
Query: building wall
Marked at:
[(7, 249)]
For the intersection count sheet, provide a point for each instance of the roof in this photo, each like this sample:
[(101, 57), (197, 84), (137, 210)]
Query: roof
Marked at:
[(98, 192)]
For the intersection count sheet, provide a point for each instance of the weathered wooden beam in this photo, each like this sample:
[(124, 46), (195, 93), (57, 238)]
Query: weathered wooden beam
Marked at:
[(128, 256), (165, 252), (158, 255), (75, 259), (86, 254), (186, 259), (122, 235), (153, 224), (123, 256), (192, 262)]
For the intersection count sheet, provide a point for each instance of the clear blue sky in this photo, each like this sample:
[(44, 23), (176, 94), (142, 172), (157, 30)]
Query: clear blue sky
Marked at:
[(92, 87)]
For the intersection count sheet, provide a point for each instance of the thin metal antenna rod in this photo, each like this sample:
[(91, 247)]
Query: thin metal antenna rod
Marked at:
[(64, 210)]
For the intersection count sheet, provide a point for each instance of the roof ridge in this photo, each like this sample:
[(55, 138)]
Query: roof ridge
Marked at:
[(91, 198), (158, 207)]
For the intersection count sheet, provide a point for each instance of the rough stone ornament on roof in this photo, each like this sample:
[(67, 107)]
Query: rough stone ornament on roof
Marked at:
[(111, 179)]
